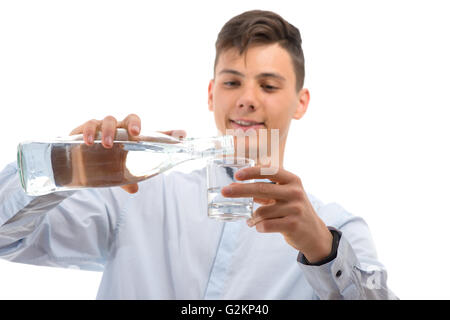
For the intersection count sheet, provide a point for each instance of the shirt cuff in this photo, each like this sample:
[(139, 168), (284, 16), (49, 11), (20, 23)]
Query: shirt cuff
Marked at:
[(335, 279), (334, 248)]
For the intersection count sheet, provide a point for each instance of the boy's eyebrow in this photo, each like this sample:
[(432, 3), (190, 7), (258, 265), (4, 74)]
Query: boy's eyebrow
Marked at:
[(261, 75), (271, 75), (235, 72)]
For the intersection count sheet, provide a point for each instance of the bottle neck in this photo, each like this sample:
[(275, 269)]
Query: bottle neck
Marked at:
[(210, 147)]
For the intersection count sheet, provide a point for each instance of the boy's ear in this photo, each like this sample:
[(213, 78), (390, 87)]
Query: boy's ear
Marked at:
[(210, 95), (302, 104)]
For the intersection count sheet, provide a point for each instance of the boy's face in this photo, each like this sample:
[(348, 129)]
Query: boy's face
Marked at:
[(256, 90)]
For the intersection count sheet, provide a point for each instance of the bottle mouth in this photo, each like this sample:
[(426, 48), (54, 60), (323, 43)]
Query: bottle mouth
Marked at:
[(211, 146)]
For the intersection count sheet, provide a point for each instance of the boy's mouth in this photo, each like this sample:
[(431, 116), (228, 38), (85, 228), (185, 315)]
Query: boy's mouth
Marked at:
[(246, 124)]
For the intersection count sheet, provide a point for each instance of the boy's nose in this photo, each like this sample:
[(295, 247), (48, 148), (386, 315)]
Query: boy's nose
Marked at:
[(248, 100), (251, 106)]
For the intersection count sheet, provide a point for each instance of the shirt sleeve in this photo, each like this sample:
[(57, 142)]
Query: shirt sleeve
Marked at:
[(355, 272), (64, 229)]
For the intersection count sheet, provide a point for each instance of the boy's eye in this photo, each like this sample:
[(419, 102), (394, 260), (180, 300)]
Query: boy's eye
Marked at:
[(231, 83), (268, 87)]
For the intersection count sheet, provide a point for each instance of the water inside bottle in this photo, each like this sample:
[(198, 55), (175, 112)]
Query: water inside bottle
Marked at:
[(53, 166)]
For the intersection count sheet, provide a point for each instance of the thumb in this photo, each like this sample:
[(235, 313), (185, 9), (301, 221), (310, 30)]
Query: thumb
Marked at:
[(175, 133), (130, 188)]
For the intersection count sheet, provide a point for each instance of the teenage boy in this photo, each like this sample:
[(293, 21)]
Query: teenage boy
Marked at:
[(156, 242)]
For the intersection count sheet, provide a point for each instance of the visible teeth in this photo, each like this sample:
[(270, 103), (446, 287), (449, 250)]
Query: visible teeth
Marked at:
[(245, 123)]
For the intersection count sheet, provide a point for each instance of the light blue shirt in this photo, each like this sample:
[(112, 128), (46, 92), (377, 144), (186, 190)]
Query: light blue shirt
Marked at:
[(160, 244)]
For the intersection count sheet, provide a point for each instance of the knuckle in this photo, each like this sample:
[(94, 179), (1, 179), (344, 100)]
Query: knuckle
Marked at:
[(295, 193), (88, 131), (263, 188), (92, 123), (109, 119), (133, 116), (90, 126), (298, 181), (296, 208)]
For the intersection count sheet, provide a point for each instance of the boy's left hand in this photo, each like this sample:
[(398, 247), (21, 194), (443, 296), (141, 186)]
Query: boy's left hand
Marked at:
[(285, 208)]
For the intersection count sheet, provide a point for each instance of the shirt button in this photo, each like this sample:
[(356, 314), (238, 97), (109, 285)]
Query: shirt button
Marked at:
[(338, 273)]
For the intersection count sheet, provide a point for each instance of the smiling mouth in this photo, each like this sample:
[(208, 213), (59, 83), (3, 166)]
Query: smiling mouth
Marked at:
[(245, 125)]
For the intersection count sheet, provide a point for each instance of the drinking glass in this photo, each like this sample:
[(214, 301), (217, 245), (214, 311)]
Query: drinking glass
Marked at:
[(220, 173)]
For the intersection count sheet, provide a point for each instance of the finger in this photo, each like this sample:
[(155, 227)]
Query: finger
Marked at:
[(132, 123), (77, 130), (175, 133), (80, 129), (255, 190), (275, 211), (281, 176), (130, 188), (264, 201), (109, 125), (280, 225), (272, 211), (89, 130)]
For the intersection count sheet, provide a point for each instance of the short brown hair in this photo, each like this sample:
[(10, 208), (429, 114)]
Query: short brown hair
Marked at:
[(263, 27)]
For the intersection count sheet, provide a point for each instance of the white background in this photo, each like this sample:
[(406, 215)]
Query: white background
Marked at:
[(375, 137)]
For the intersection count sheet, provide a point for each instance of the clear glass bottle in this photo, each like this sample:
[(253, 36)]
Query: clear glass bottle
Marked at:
[(68, 163)]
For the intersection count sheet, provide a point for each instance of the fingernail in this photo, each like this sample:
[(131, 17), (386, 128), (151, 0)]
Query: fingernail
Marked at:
[(135, 129), (250, 223), (178, 134), (90, 139), (239, 175), (108, 141), (226, 190)]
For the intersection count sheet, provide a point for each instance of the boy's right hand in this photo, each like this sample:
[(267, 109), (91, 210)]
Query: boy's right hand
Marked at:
[(108, 126)]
